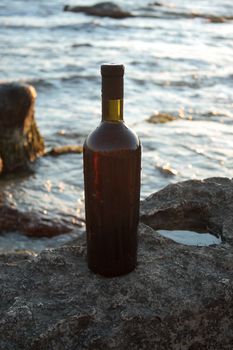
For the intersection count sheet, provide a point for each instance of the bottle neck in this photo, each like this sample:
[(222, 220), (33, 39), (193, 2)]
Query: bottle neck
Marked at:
[(112, 110), (112, 98)]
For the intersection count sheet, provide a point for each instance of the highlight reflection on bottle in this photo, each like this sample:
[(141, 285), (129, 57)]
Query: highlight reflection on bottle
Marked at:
[(112, 165)]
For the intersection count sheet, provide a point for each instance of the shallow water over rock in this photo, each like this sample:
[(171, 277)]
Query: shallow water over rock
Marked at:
[(190, 237)]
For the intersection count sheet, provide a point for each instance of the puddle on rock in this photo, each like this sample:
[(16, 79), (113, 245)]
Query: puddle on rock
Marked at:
[(191, 237)]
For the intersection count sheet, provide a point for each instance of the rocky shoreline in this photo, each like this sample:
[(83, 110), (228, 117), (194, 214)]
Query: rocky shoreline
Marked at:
[(179, 297)]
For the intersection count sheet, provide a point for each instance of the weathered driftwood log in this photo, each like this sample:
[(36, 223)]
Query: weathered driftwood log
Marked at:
[(20, 140), (103, 9), (179, 297)]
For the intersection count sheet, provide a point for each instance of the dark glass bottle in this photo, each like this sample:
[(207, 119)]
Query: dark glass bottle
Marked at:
[(112, 166)]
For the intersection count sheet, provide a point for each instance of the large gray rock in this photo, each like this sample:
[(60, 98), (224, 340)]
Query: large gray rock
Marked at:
[(20, 140), (102, 9), (179, 297), (204, 206)]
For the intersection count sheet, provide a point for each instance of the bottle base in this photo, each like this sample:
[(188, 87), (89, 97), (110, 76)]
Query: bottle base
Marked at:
[(117, 272)]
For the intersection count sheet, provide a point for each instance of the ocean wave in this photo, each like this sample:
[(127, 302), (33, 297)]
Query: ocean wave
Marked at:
[(52, 82), (193, 81), (89, 25), (77, 77), (38, 83), (192, 84), (189, 81), (20, 26), (40, 24)]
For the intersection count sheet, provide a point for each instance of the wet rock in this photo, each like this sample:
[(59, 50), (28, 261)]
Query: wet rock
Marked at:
[(215, 19), (177, 295), (33, 224), (166, 170), (58, 151), (204, 206), (161, 118), (173, 13), (20, 140), (103, 9), (212, 18), (156, 3), (82, 45)]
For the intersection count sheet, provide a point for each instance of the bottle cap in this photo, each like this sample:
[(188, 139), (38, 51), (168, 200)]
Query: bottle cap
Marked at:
[(112, 70)]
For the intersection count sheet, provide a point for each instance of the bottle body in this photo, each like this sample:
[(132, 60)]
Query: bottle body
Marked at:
[(112, 166), (112, 195)]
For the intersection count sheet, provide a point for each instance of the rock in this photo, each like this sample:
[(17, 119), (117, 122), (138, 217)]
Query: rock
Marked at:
[(161, 118), (179, 297), (102, 9), (204, 206), (212, 18), (58, 151), (20, 140), (156, 3), (82, 45), (33, 224), (216, 19), (166, 170)]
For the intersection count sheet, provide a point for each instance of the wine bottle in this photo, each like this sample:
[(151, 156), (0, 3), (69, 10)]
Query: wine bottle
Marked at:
[(112, 166)]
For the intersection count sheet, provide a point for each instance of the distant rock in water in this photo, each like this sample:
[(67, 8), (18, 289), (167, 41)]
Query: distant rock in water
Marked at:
[(67, 149), (20, 140), (161, 118), (103, 9), (166, 170), (81, 45), (156, 3), (215, 19)]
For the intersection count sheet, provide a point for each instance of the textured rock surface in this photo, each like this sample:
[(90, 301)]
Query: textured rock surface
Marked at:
[(205, 206), (179, 297), (20, 140), (35, 224), (103, 9)]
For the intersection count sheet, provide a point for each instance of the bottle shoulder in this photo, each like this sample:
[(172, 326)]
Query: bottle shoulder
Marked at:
[(110, 136)]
